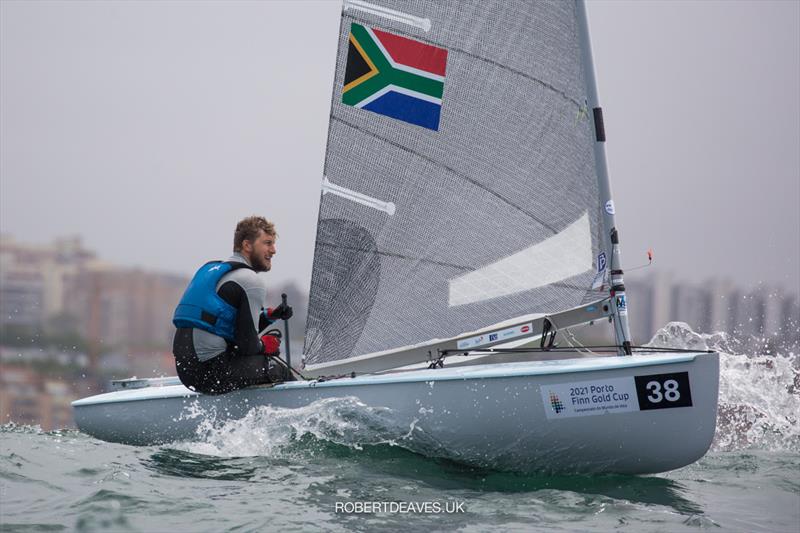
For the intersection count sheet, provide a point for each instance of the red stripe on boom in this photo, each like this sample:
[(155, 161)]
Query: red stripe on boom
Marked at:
[(413, 53)]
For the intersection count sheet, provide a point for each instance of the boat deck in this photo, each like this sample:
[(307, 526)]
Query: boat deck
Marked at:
[(485, 371)]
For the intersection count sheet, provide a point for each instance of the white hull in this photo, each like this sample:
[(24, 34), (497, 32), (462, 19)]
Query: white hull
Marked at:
[(502, 415)]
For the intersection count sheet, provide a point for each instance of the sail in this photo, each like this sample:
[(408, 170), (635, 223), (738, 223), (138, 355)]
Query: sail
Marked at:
[(460, 186)]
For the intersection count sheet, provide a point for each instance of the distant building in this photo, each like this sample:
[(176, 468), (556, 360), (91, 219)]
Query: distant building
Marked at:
[(717, 305), (32, 278), (124, 307), (22, 296), (30, 398), (42, 286), (649, 304), (775, 316), (692, 305), (139, 363), (56, 405), (748, 314), (791, 324), (19, 395), (721, 305)]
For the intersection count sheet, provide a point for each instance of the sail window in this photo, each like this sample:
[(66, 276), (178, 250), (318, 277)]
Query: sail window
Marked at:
[(565, 254)]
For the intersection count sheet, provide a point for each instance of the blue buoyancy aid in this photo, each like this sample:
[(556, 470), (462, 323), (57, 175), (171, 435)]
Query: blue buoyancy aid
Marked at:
[(201, 307)]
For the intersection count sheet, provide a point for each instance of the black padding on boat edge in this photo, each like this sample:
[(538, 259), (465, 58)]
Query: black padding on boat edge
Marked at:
[(599, 128)]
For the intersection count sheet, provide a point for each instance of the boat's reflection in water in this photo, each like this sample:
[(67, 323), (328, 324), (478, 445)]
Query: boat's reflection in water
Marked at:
[(319, 473), (179, 463)]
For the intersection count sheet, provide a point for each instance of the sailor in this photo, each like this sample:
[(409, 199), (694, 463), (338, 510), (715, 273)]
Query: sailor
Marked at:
[(217, 346)]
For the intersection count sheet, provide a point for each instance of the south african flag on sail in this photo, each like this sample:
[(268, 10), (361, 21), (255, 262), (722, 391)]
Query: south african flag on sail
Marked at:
[(394, 76)]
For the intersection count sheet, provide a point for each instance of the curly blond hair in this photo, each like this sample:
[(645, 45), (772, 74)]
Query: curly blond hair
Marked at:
[(247, 230)]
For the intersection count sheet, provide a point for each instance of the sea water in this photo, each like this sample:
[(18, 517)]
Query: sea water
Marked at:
[(334, 466)]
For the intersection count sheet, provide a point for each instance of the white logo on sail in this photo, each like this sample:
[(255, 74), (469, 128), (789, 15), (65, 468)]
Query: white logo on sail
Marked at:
[(363, 199), (565, 254), (391, 14)]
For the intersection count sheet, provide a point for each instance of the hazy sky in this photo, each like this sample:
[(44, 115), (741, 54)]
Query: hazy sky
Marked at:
[(150, 128)]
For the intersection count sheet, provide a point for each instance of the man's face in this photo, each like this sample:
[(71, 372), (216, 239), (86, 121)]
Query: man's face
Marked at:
[(260, 251)]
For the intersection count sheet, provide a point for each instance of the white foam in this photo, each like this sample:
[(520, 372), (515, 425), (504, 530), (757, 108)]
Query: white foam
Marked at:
[(269, 431), (759, 395)]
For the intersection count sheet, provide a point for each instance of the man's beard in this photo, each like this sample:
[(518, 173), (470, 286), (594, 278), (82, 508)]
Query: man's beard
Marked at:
[(259, 264)]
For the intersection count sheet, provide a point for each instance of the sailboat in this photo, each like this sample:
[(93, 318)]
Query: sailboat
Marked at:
[(466, 223)]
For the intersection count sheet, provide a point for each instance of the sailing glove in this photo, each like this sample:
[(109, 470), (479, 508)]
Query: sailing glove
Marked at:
[(282, 312), (272, 345)]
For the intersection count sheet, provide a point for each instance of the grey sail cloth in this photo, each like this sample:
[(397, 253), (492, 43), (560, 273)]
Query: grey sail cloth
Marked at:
[(496, 214)]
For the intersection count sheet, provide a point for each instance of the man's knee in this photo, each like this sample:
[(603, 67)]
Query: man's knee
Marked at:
[(278, 371)]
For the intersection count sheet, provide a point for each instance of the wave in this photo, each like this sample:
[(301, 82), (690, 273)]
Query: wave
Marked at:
[(26, 429), (273, 431), (759, 394)]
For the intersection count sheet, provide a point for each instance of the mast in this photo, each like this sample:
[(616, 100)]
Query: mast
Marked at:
[(618, 300)]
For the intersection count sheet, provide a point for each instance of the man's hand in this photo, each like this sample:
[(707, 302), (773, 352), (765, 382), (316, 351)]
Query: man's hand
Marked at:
[(272, 345), (282, 312)]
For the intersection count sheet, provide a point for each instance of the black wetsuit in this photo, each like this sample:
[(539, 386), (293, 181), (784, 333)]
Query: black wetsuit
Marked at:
[(208, 363)]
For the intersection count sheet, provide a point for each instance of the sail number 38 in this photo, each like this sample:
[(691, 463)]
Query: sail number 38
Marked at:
[(671, 392), (661, 391)]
